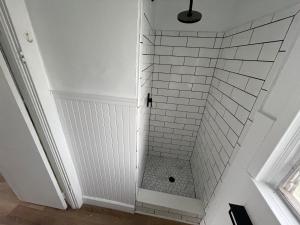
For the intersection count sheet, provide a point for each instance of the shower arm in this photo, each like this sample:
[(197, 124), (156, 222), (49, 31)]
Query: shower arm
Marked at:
[(191, 8)]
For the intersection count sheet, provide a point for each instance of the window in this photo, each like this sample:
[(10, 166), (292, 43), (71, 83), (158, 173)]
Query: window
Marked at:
[(290, 190), (278, 178)]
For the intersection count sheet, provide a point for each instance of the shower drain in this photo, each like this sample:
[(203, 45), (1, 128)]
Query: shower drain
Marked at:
[(172, 179)]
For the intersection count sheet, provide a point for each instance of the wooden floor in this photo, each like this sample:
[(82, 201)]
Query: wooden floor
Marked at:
[(15, 212)]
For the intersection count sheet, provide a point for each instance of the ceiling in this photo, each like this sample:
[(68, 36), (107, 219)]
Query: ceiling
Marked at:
[(218, 15)]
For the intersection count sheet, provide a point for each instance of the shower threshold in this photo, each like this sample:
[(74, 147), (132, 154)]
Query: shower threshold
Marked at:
[(169, 175)]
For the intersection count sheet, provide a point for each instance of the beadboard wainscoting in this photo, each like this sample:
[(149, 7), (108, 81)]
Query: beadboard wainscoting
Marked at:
[(101, 133)]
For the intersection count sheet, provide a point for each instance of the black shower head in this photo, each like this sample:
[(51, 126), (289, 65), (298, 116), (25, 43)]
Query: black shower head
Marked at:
[(189, 16)]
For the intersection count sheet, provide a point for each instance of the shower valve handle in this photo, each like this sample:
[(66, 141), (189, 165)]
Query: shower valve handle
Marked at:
[(149, 100)]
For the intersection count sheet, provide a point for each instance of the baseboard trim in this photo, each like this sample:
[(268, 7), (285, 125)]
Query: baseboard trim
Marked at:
[(105, 203)]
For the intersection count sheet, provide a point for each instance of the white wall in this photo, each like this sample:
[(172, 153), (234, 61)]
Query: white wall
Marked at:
[(218, 15), (88, 46)]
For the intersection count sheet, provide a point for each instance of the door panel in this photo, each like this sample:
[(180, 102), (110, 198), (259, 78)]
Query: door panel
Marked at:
[(23, 162)]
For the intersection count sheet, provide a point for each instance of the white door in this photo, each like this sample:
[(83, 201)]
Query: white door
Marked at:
[(23, 162)]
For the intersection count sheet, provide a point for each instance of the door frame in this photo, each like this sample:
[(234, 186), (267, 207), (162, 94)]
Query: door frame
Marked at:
[(26, 68)]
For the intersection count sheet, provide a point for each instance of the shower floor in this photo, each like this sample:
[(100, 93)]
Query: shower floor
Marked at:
[(159, 172)]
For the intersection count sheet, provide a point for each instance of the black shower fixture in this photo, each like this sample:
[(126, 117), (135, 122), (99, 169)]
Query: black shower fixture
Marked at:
[(189, 16)]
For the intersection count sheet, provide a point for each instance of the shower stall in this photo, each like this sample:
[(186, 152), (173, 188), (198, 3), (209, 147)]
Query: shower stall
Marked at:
[(155, 104), (205, 88)]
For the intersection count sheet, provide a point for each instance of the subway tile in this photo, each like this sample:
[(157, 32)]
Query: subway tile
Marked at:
[(169, 77), (228, 53), (249, 52), (200, 87), (157, 98), (191, 127), (167, 92), (180, 86), (209, 53), (226, 42), (183, 69), (256, 69), (269, 51), (176, 113), (232, 137), (271, 32), (162, 68), (234, 123), (173, 41), (174, 125), (191, 94), (243, 98), (187, 108), (160, 84), (196, 61), (178, 100), (233, 65), (194, 79), (225, 88), (163, 50), (197, 102), (229, 104), (204, 71), (237, 80), (222, 124), (241, 38), (166, 106), (213, 62), (194, 115), (218, 43), (254, 86), (242, 114), (182, 51), (173, 60), (200, 42), (185, 121)]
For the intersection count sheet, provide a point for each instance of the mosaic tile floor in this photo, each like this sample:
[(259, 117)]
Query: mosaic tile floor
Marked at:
[(158, 170)]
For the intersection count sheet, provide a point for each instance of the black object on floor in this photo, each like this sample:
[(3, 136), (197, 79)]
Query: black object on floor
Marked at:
[(172, 179), (239, 215)]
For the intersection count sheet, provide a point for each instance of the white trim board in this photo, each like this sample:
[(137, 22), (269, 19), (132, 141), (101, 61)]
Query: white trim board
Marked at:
[(180, 203), (108, 204), (94, 97)]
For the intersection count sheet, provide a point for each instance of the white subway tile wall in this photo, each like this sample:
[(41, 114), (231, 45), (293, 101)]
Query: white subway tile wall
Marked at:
[(183, 69), (246, 61)]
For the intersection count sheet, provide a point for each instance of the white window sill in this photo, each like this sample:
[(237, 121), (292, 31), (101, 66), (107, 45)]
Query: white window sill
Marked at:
[(276, 204)]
